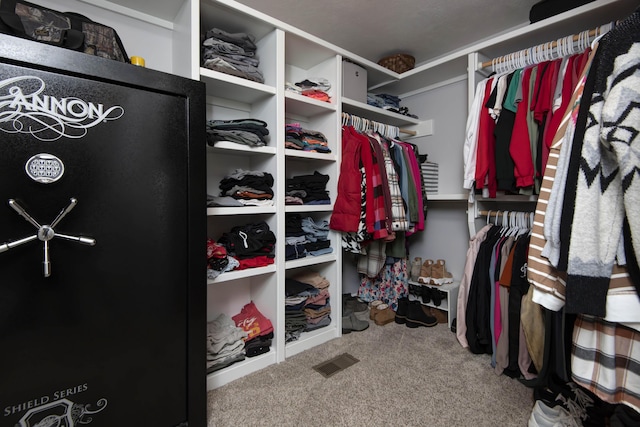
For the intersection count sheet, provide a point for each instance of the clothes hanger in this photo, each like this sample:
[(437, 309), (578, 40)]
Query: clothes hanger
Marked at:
[(599, 34), (513, 225), (506, 226), (559, 52)]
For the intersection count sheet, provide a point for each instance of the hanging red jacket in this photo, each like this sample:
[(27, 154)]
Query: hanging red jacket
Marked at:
[(346, 208), (520, 146), (486, 147)]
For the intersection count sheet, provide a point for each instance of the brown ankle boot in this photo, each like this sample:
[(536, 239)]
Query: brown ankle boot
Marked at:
[(426, 272), (441, 315), (439, 273)]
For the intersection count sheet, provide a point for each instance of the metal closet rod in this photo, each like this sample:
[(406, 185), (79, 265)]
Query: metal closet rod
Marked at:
[(526, 217), (400, 130), (493, 214), (549, 45)]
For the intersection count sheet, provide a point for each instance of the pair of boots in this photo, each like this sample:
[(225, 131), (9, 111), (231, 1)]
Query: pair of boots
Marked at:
[(354, 313), (413, 314), (434, 273), (427, 294)]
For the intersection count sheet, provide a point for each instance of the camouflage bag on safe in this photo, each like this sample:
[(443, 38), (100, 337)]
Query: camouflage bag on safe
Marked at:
[(65, 29)]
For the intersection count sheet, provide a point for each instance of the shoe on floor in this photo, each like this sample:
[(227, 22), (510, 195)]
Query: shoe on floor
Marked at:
[(373, 309), (440, 315), (363, 315), (419, 315), (352, 323), (546, 416), (384, 315), (353, 304), (401, 312)]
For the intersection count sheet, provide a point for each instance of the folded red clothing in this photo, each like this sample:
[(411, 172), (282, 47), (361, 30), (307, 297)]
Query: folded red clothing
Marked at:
[(252, 321)]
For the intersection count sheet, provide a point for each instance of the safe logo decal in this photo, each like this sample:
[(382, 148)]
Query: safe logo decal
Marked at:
[(61, 413), (25, 108)]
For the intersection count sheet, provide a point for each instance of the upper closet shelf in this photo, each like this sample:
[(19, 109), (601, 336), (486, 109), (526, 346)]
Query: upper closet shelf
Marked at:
[(289, 152), (455, 64), (231, 147), (221, 85), (244, 210), (378, 114), (306, 106), (308, 208), (242, 274), (310, 260)]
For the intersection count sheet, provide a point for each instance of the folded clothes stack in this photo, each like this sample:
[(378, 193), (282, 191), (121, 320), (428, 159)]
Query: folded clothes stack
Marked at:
[(231, 53), (251, 132), (314, 87)]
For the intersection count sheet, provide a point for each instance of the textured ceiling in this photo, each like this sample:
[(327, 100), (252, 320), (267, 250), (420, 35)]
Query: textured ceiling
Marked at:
[(373, 29)]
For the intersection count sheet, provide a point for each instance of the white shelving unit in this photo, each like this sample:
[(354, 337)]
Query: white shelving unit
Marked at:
[(289, 54), (449, 303), (308, 60)]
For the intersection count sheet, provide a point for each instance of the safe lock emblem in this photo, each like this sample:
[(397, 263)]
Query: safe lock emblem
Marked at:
[(45, 233)]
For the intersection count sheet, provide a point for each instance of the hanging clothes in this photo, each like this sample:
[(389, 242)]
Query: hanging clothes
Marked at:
[(511, 122), (581, 260), (388, 207)]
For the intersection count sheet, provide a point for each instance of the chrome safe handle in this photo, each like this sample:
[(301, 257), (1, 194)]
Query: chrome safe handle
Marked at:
[(45, 233)]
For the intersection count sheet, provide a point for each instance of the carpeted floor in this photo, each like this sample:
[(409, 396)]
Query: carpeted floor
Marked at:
[(405, 377)]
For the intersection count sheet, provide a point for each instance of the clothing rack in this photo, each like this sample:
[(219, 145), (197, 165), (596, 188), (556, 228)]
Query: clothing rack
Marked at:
[(365, 125), (547, 51), (512, 218)]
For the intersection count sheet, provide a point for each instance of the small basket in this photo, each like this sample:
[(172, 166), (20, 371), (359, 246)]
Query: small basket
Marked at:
[(399, 63)]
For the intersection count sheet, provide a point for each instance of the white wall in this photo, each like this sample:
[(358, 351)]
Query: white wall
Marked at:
[(446, 235), (140, 38)]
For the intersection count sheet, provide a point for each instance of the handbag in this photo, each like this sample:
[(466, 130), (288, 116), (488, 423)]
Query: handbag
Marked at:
[(64, 29)]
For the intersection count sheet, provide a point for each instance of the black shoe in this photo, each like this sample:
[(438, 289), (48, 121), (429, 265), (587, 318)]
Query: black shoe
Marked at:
[(415, 290), (437, 296), (401, 312), (426, 294), (418, 315)]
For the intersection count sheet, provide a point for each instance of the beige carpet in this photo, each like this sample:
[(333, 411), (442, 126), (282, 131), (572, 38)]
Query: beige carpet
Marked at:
[(405, 377)]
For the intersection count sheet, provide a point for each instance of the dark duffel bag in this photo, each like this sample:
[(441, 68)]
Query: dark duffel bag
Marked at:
[(65, 29), (547, 8)]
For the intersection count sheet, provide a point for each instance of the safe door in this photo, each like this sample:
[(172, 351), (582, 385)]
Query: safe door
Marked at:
[(98, 217)]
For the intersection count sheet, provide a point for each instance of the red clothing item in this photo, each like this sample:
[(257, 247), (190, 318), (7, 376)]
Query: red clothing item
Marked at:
[(258, 261), (376, 214), (544, 109), (346, 208), (486, 147), (541, 99), (252, 321), (556, 118), (520, 146)]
